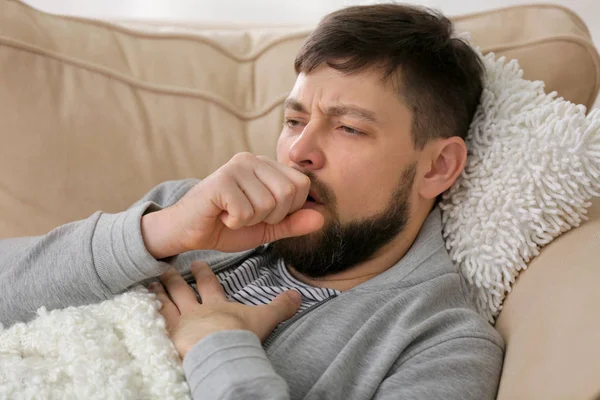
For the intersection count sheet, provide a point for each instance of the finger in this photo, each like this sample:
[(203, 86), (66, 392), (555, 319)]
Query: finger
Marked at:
[(182, 294), (208, 285), (302, 222), (237, 207), (282, 307), (168, 310), (282, 189), (257, 193), (300, 181)]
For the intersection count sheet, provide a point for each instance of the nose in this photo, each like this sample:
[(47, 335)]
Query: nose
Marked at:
[(306, 151)]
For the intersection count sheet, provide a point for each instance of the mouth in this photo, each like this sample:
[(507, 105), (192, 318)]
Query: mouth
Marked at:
[(313, 197), (312, 200)]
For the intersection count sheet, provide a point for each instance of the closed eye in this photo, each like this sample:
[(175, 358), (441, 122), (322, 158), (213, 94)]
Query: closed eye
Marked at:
[(292, 123), (351, 131)]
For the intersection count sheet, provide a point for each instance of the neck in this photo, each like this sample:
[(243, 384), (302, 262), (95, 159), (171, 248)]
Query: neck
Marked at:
[(384, 259)]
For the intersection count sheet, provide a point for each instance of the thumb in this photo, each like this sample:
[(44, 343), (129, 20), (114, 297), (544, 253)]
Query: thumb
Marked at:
[(282, 307), (285, 305), (302, 222)]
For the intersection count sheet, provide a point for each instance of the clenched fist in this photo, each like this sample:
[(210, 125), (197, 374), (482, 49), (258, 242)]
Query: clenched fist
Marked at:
[(247, 202)]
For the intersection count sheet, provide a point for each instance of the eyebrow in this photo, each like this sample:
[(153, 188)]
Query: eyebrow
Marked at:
[(335, 111)]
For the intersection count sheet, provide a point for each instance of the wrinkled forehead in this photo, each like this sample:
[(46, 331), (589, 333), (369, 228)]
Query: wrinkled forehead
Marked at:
[(366, 89)]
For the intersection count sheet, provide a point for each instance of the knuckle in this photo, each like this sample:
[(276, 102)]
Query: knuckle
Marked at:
[(267, 204), (285, 191), (240, 217), (161, 296), (207, 278), (243, 157), (197, 265), (169, 280), (303, 180), (245, 214), (219, 177), (169, 277), (233, 223)]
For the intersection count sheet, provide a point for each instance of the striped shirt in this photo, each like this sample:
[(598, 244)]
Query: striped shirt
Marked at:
[(261, 278)]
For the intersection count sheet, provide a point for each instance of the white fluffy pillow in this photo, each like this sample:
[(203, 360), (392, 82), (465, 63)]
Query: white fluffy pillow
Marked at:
[(117, 349), (534, 164)]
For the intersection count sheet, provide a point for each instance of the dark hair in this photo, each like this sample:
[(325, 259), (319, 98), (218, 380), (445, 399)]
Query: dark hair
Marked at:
[(438, 76)]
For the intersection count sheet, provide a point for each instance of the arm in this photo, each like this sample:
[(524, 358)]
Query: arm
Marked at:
[(460, 368), (82, 262), (232, 365), (247, 202)]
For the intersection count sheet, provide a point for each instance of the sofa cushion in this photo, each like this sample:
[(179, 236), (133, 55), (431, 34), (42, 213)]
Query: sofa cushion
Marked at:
[(94, 114), (549, 321)]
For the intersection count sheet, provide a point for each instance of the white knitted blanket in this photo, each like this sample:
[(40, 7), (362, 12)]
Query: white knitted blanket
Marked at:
[(117, 349)]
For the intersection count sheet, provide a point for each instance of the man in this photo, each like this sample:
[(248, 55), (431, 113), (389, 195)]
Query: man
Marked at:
[(346, 218)]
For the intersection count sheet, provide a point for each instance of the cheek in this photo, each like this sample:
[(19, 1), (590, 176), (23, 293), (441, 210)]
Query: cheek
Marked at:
[(283, 149), (364, 193), (285, 144)]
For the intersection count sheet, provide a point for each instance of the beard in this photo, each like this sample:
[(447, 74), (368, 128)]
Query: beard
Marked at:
[(338, 246)]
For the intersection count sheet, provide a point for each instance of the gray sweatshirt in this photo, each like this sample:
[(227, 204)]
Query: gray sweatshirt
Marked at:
[(409, 333)]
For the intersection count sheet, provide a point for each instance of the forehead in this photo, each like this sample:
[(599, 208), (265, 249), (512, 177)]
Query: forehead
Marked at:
[(366, 89)]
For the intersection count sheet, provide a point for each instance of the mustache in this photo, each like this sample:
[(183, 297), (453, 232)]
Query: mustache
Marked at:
[(323, 191)]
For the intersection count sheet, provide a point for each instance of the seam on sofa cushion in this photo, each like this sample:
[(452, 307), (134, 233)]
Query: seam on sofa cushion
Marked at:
[(246, 115), (118, 29), (576, 18), (250, 115), (137, 84)]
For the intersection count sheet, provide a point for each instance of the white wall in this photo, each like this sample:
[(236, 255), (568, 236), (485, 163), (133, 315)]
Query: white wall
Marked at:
[(275, 11)]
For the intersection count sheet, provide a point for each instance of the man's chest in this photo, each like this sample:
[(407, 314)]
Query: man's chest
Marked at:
[(335, 352)]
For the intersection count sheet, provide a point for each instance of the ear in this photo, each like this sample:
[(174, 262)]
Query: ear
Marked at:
[(445, 160)]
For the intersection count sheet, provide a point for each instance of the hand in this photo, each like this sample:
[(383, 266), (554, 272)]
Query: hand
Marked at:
[(247, 202), (188, 321)]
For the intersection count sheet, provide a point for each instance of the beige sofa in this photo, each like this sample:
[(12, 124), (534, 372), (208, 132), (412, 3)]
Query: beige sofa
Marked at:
[(93, 114)]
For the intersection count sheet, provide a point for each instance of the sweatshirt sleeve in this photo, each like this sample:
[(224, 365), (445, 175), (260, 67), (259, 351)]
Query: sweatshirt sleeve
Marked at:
[(232, 365), (81, 262), (463, 368)]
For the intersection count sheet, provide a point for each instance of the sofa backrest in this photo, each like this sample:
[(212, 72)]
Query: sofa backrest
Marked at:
[(93, 114)]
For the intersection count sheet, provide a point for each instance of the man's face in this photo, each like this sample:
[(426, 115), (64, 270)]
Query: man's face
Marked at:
[(351, 135)]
